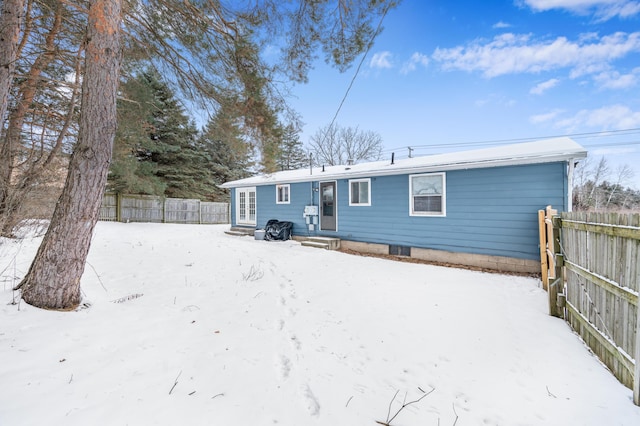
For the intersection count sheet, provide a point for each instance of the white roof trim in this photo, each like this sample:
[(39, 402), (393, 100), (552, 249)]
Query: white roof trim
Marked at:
[(544, 151)]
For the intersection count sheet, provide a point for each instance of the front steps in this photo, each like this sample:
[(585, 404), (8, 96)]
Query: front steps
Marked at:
[(326, 243), (240, 231)]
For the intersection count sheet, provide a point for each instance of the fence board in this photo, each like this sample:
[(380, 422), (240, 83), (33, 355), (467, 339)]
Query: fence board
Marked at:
[(212, 212), (601, 255), (148, 208), (180, 210), (141, 208), (109, 207)]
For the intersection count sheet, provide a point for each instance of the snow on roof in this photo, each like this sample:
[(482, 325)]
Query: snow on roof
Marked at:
[(543, 151)]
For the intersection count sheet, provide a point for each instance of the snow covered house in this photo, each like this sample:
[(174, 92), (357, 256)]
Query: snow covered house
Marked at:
[(476, 208)]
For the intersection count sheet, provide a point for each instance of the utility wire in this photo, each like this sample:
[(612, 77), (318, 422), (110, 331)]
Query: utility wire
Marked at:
[(353, 79), (622, 132)]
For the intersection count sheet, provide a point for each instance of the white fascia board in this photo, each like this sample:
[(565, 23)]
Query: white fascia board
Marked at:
[(549, 151)]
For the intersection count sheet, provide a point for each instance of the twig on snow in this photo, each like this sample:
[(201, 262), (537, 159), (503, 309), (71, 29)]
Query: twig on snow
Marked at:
[(404, 404), (454, 412), (254, 274), (549, 392), (217, 395), (97, 276), (347, 404), (175, 382)]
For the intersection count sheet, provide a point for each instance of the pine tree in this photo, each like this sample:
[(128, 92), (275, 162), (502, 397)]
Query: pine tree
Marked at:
[(229, 152), (156, 149), (292, 155), (131, 170), (199, 43)]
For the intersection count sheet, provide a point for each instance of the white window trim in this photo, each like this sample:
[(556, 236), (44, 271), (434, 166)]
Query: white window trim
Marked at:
[(443, 213), (368, 180), (247, 220), (288, 186)]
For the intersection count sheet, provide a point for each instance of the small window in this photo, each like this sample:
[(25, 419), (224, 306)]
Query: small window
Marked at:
[(282, 194), (360, 192), (427, 195)]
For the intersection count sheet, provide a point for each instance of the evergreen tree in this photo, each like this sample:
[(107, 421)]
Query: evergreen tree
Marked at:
[(292, 155), (156, 147), (131, 170), (200, 43), (229, 153)]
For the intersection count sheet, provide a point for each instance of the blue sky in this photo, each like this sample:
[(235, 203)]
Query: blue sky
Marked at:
[(456, 75)]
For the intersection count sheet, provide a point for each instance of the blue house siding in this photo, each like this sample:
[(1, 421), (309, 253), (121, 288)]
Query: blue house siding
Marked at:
[(489, 211), (299, 196), (491, 202)]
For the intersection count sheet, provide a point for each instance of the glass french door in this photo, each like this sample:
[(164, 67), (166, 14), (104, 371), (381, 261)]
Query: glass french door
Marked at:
[(246, 206)]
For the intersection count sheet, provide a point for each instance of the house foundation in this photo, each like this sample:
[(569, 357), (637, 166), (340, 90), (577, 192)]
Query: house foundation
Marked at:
[(494, 263)]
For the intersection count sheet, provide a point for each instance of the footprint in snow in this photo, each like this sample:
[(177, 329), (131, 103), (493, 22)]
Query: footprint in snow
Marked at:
[(311, 400), (285, 366)]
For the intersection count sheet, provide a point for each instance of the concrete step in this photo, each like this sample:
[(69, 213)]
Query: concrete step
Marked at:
[(331, 243), (238, 231), (315, 244)]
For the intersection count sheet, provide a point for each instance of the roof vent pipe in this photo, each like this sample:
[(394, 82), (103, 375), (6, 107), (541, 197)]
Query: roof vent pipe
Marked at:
[(310, 163), (393, 154), (323, 167)]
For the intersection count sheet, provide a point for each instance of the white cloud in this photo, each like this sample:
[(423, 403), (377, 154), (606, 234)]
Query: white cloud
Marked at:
[(518, 53), (603, 10), (540, 88), (496, 99), (499, 25), (381, 60), (611, 117), (415, 60), (546, 117), (615, 80), (611, 151)]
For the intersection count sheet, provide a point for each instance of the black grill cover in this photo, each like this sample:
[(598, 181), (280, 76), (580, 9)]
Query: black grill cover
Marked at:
[(276, 230)]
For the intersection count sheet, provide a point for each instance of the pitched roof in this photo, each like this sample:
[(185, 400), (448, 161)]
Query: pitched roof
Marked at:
[(543, 151)]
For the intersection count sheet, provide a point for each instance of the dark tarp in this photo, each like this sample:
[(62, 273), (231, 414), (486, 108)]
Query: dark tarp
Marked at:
[(276, 230)]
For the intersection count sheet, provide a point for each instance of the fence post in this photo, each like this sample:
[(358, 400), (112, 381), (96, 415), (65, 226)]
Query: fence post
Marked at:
[(636, 376), (118, 207), (557, 286), (544, 265)]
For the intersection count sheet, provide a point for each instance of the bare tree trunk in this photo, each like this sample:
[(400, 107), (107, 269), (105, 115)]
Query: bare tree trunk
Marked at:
[(10, 21), (53, 281), (14, 194)]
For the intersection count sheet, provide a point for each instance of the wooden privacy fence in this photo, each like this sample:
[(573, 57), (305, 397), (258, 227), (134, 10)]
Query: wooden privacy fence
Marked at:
[(591, 267), (149, 208)]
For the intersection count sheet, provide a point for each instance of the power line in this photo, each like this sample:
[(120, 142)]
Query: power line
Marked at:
[(621, 132), (353, 79)]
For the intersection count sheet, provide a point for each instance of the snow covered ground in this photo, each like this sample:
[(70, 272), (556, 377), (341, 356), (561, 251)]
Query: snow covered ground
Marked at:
[(187, 325)]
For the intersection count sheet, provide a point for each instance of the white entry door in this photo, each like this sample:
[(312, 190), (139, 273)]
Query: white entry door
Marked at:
[(246, 206)]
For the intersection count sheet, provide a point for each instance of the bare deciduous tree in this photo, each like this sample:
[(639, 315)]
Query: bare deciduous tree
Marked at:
[(623, 174), (593, 189), (333, 145)]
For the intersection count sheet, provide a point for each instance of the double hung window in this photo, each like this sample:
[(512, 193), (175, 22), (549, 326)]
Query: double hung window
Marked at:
[(427, 194), (360, 192)]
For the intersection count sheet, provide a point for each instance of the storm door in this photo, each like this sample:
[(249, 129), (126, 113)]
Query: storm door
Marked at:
[(328, 206)]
